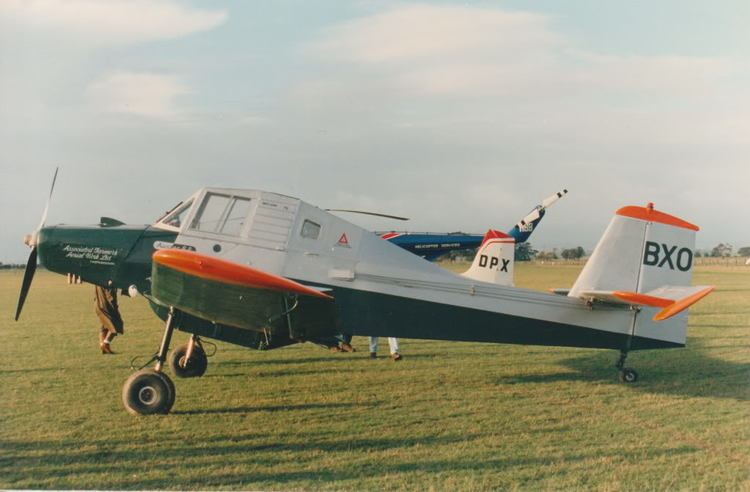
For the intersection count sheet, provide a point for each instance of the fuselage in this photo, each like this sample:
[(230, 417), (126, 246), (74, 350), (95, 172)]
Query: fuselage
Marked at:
[(379, 288)]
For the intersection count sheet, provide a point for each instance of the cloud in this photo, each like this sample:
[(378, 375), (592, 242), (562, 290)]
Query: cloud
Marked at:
[(141, 94), (451, 66), (110, 22), (422, 32), (505, 104)]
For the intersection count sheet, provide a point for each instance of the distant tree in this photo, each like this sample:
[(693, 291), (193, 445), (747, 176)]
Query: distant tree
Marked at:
[(698, 253), (721, 249), (524, 252), (546, 255), (573, 253), (744, 251)]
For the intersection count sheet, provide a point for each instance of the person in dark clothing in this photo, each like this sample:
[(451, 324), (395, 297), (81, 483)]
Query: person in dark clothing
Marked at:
[(108, 313)]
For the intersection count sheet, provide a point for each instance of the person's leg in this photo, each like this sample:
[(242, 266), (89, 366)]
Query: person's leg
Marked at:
[(393, 344), (373, 347), (346, 343), (105, 345)]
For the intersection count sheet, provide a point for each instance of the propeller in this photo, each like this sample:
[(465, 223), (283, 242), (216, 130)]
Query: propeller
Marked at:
[(366, 213), (31, 240)]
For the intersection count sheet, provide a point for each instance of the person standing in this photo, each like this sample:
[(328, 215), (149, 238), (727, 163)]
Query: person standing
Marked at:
[(392, 344), (108, 313)]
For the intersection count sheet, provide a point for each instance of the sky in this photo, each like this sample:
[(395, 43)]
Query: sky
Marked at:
[(460, 115)]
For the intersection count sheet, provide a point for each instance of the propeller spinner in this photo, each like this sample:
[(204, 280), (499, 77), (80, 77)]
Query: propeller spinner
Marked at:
[(31, 240)]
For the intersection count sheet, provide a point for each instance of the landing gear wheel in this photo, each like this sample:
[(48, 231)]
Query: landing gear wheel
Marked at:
[(148, 392), (628, 375), (195, 367)]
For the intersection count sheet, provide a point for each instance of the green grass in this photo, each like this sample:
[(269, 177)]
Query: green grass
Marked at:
[(449, 416)]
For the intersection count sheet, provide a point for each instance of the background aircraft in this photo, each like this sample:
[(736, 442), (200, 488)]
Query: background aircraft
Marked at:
[(264, 270), (432, 246)]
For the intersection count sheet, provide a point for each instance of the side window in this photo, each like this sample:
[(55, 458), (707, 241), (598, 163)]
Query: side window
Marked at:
[(310, 229), (222, 214), (236, 217)]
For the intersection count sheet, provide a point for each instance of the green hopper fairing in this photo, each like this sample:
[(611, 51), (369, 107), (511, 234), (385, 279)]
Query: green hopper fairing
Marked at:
[(243, 307)]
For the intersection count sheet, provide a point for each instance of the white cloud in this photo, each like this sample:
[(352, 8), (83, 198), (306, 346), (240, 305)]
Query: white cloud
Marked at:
[(141, 94), (418, 32), (481, 95), (110, 22)]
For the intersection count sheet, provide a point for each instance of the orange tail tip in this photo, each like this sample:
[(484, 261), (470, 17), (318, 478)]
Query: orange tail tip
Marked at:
[(648, 213), (216, 269), (682, 304)]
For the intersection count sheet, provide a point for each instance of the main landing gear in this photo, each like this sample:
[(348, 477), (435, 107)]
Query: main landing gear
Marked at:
[(627, 375), (150, 391), (189, 360)]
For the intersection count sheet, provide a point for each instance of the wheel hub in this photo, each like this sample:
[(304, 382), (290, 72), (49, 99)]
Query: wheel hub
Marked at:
[(147, 395)]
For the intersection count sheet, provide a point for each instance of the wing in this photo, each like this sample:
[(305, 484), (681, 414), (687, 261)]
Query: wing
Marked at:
[(672, 299), (223, 291)]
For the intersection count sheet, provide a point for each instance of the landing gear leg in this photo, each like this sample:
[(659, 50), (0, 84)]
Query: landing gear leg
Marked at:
[(150, 391), (627, 375)]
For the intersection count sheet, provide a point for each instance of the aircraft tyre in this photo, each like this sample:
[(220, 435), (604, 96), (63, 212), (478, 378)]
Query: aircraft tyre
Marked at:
[(148, 392), (628, 375), (193, 368)]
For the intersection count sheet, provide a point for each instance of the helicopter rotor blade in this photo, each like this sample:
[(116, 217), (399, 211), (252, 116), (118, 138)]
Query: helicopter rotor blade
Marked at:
[(363, 212)]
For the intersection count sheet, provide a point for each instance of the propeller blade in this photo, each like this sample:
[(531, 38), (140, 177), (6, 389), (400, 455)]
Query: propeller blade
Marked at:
[(49, 199), (366, 213), (28, 276)]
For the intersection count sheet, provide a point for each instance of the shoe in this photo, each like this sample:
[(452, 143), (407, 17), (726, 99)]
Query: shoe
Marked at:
[(106, 349), (396, 357), (373, 355), (347, 347)]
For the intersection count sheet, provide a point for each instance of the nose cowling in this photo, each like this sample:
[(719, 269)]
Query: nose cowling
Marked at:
[(93, 253)]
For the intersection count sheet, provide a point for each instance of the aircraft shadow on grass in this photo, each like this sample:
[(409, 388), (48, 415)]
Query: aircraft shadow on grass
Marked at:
[(686, 372), (270, 408), (254, 459)]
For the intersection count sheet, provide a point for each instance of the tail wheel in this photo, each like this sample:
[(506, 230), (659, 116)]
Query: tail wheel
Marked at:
[(194, 367), (148, 392)]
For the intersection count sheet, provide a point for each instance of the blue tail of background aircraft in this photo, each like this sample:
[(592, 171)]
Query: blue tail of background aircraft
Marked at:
[(431, 246)]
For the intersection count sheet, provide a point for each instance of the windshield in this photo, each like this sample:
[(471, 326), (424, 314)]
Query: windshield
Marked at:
[(178, 215)]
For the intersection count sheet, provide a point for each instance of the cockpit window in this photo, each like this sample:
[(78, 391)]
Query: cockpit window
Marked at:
[(310, 229), (236, 216), (178, 216), (222, 214)]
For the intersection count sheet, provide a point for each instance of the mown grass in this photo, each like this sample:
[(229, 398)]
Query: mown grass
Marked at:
[(449, 416)]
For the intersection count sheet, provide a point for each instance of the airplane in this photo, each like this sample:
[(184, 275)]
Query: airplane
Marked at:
[(431, 246), (265, 270)]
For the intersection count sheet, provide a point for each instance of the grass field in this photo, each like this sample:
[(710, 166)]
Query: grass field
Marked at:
[(449, 416)]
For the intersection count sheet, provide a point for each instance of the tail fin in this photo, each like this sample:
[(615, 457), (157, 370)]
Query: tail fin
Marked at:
[(526, 226), (493, 262), (644, 258)]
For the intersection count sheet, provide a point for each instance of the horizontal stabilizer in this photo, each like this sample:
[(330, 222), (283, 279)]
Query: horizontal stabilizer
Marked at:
[(672, 299)]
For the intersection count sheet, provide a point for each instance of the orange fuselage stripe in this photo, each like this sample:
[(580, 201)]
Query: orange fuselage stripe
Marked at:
[(651, 215), (227, 272)]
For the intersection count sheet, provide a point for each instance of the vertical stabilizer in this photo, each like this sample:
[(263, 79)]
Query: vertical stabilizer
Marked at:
[(493, 262), (641, 250)]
